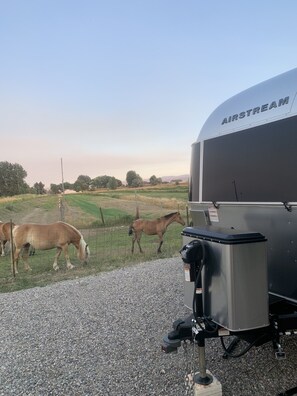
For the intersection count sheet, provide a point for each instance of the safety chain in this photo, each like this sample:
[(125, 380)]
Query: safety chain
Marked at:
[(189, 375)]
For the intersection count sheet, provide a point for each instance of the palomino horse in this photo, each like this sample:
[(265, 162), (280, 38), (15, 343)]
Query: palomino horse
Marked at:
[(153, 227), (2, 241), (48, 236), (5, 233)]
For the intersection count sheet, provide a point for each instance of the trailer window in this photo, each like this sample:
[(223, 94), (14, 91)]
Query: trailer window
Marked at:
[(258, 164), (194, 173)]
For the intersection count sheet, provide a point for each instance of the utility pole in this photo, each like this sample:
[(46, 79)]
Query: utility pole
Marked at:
[(62, 172), (61, 198)]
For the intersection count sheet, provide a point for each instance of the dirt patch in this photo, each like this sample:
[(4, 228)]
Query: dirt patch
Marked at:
[(38, 215), (35, 215)]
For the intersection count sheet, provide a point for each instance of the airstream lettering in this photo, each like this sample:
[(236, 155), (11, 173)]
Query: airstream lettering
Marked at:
[(267, 106), (242, 260)]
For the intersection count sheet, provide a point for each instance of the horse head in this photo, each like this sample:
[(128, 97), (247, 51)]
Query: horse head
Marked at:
[(179, 219), (83, 251)]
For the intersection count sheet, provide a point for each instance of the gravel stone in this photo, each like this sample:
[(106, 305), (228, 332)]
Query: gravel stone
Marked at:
[(102, 335)]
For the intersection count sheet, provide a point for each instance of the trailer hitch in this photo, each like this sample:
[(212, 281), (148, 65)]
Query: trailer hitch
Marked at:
[(182, 330)]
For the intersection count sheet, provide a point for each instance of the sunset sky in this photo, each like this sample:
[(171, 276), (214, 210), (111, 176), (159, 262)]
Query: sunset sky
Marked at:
[(119, 85)]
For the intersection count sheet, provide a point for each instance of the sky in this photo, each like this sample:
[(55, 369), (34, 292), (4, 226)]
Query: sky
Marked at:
[(103, 87)]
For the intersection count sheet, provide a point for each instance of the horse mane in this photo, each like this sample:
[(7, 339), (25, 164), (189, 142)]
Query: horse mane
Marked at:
[(169, 215), (72, 227)]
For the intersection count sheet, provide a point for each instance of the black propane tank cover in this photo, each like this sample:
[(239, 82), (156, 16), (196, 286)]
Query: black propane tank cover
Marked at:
[(191, 252)]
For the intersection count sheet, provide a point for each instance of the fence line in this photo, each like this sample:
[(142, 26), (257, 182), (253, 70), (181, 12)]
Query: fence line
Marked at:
[(110, 248)]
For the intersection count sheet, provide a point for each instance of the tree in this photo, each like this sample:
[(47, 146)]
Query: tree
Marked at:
[(130, 176), (39, 188), (112, 183), (119, 183), (100, 181), (82, 183), (12, 179), (55, 188), (106, 182), (68, 186), (155, 180), (133, 179), (137, 182)]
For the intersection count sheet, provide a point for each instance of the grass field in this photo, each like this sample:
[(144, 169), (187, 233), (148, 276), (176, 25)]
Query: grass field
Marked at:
[(103, 218)]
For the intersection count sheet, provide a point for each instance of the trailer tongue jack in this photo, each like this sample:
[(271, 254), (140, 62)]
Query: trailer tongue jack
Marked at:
[(186, 330), (217, 258)]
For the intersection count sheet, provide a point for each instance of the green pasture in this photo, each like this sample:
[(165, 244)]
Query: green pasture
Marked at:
[(110, 244), (97, 207), (110, 249)]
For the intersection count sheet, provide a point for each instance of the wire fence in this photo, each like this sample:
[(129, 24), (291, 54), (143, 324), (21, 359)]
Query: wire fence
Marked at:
[(110, 248), (104, 222)]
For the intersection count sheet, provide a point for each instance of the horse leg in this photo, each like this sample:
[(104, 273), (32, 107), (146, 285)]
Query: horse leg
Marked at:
[(66, 254), (161, 243), (6, 247), (136, 237), (25, 256), (57, 255), (133, 241), (138, 241), (2, 248), (16, 260)]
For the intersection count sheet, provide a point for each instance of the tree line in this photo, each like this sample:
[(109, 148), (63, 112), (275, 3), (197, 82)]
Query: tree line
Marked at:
[(12, 182)]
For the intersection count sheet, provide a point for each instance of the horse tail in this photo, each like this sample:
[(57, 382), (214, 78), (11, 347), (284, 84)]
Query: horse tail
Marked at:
[(131, 229), (137, 213)]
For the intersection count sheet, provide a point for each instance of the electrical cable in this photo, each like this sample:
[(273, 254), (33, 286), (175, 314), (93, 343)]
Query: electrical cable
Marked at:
[(194, 306), (244, 351)]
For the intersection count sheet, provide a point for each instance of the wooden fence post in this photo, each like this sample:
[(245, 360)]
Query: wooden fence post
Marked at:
[(101, 213), (12, 250), (61, 207)]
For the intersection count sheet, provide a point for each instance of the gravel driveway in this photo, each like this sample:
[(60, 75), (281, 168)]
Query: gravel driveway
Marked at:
[(101, 335)]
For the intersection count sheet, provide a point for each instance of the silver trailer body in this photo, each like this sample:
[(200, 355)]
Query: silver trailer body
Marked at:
[(244, 176), (240, 250)]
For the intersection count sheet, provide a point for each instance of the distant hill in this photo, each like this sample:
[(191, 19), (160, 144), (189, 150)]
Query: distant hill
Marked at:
[(169, 179), (183, 178)]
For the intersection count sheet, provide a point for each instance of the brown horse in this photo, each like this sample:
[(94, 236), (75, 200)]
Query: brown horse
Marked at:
[(5, 232), (48, 236), (153, 227), (2, 242)]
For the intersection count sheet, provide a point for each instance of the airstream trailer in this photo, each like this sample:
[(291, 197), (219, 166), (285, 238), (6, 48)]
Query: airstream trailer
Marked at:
[(240, 251)]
